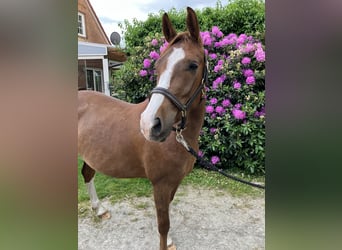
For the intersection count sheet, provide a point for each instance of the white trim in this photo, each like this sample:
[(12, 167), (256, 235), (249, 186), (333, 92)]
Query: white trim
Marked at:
[(95, 44), (89, 57), (83, 24), (92, 49), (105, 76)]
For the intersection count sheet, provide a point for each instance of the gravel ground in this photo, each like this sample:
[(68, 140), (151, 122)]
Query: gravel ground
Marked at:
[(201, 219)]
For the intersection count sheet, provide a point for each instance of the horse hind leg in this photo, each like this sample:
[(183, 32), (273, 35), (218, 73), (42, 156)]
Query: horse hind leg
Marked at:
[(88, 175)]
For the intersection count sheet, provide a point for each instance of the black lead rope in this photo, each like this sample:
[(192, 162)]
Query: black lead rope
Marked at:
[(209, 166)]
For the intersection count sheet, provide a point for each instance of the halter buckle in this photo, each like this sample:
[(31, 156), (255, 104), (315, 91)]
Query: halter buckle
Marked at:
[(180, 139), (203, 93)]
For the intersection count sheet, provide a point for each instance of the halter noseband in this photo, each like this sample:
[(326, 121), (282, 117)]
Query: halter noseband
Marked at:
[(184, 107)]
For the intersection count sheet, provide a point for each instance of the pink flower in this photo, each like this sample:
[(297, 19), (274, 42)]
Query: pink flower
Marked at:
[(209, 109), (260, 113), (213, 101), (232, 36), (213, 56), (225, 41), (154, 55), (200, 153), (237, 85), (215, 85), (238, 106), (239, 114), (218, 81), (154, 42), (225, 102), (217, 68), (143, 73), (248, 72), (206, 38), (163, 47), (215, 159), (246, 60), (207, 41), (218, 44), (220, 110), (147, 63), (250, 80), (260, 55), (248, 48), (212, 130), (216, 31), (242, 38)]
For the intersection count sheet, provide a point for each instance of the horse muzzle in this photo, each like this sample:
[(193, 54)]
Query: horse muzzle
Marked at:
[(153, 128)]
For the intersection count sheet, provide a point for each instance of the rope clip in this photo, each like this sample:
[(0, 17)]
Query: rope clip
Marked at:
[(180, 139)]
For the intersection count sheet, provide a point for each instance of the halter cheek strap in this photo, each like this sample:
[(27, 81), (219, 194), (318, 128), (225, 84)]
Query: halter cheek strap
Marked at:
[(183, 107)]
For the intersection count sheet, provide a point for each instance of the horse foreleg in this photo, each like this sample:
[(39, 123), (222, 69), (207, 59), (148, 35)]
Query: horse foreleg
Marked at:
[(162, 198), (89, 175)]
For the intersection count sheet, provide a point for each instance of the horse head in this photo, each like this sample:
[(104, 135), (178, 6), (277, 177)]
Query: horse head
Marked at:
[(181, 70)]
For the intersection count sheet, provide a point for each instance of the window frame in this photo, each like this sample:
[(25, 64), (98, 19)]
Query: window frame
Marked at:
[(94, 80), (82, 24)]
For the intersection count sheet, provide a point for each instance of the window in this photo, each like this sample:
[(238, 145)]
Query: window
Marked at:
[(94, 79), (81, 25)]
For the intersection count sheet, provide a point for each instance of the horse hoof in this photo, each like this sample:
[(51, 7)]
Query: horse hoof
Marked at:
[(172, 247), (105, 216)]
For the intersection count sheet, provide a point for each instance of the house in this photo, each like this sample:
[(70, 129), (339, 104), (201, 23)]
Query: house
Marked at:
[(97, 58)]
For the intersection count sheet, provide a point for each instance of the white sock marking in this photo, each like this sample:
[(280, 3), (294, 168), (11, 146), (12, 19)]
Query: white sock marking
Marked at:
[(92, 194)]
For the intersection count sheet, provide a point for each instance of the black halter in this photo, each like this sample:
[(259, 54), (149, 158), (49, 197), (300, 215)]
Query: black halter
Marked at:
[(184, 107)]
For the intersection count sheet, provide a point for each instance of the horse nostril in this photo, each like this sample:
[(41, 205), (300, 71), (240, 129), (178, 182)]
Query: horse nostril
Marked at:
[(156, 129)]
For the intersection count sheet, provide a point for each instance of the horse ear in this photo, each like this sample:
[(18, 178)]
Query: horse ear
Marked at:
[(168, 30), (192, 24)]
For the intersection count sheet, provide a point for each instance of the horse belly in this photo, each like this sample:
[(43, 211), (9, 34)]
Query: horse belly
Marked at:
[(111, 151), (123, 161)]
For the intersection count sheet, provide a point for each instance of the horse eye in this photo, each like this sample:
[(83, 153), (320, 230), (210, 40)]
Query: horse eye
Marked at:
[(193, 66)]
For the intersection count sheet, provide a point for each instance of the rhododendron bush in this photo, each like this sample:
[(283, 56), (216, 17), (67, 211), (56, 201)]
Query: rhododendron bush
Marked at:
[(233, 134)]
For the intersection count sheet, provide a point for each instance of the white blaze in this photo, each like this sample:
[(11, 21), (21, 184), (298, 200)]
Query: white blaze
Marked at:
[(147, 118)]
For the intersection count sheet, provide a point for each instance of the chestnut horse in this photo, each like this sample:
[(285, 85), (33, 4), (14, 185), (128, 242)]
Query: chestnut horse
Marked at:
[(126, 140)]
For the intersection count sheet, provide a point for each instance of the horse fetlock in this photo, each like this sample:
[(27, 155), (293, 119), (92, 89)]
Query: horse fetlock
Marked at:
[(170, 243), (171, 247), (99, 209)]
